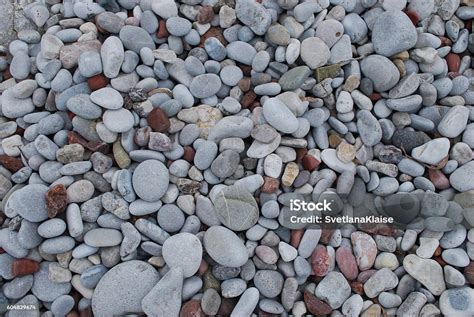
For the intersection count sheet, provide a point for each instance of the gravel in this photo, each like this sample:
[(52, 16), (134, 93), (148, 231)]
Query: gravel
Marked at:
[(152, 154)]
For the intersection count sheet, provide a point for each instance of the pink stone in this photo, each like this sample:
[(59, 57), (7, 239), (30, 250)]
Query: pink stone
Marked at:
[(320, 261), (365, 249), (346, 261)]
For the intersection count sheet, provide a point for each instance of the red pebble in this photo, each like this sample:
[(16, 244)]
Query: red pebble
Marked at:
[(438, 179), (320, 261), (413, 17), (22, 267), (158, 120), (162, 30), (56, 200), (453, 61), (346, 261), (310, 163), (13, 164), (98, 81), (316, 306), (270, 184), (192, 308)]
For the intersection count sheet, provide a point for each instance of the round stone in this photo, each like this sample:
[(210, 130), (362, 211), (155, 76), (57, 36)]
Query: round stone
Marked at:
[(150, 180), (183, 250), (314, 52), (118, 121), (29, 203), (383, 73), (269, 283), (236, 208), (205, 85)]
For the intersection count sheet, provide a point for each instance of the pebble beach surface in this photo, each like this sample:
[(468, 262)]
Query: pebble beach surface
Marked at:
[(149, 151)]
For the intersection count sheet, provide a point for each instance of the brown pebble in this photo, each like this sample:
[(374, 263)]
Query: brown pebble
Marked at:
[(162, 30), (205, 14), (453, 61), (216, 32), (270, 184), (469, 272), (438, 178), (192, 308), (365, 275), (227, 306), (300, 153), (244, 84), (22, 267), (87, 312), (13, 164), (248, 99), (158, 120), (203, 267), (98, 81), (357, 287), (56, 200), (189, 154), (310, 163), (296, 236), (414, 18), (72, 314), (445, 41), (316, 306), (326, 235)]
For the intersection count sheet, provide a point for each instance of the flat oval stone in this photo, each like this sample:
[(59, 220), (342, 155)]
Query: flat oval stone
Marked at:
[(225, 247), (383, 73), (124, 299), (236, 208), (82, 106), (28, 202), (103, 237), (118, 121), (183, 250), (107, 98), (205, 85), (135, 38), (150, 180), (280, 116)]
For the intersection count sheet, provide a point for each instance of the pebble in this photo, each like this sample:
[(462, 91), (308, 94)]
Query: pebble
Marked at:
[(224, 247), (392, 33), (431, 152), (426, 271), (314, 52), (333, 289), (165, 297), (123, 299), (135, 134), (457, 301), (279, 116), (183, 251), (159, 183), (383, 73)]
